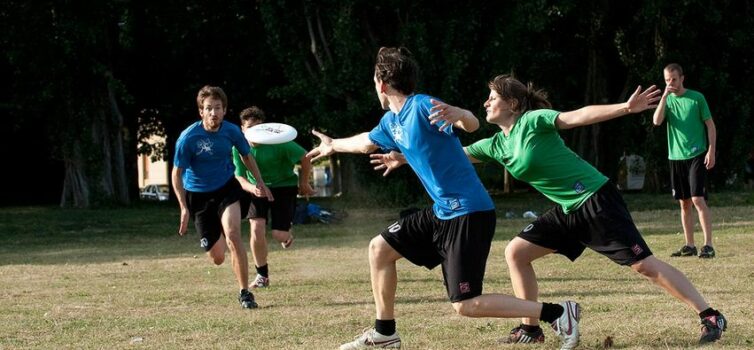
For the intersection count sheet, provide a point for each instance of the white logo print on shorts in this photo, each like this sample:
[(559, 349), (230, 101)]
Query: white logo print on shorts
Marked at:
[(203, 243), (394, 228), (528, 228)]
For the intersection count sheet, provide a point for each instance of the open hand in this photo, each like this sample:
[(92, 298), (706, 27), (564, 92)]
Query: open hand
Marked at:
[(387, 161), (643, 100), (442, 111), (324, 149)]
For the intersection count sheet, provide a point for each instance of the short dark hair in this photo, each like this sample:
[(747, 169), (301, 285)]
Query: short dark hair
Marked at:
[(213, 92), (396, 67), (252, 112), (674, 67)]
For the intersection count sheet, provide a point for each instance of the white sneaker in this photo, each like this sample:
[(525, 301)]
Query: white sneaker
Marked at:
[(371, 340), (567, 325), (260, 282)]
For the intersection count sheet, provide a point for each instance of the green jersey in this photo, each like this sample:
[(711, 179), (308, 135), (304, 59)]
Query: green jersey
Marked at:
[(275, 162), (533, 152), (686, 115)]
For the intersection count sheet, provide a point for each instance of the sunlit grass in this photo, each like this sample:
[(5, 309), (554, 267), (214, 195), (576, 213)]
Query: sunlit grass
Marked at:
[(123, 279)]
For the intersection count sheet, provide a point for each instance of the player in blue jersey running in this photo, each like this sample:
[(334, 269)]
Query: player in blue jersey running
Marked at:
[(456, 232), (207, 190)]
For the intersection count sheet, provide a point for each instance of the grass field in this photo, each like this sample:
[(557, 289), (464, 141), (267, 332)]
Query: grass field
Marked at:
[(123, 279)]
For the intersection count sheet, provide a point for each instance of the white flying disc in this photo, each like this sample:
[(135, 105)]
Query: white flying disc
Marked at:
[(270, 133)]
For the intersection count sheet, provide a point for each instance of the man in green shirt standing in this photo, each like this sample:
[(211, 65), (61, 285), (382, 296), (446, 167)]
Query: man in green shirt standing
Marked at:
[(691, 154)]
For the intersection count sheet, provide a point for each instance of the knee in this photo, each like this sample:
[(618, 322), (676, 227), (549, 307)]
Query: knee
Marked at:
[(515, 256), (467, 308), (699, 203), (645, 269), (685, 204)]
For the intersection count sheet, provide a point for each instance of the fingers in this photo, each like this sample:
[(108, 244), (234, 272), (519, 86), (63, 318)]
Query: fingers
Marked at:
[(318, 134)]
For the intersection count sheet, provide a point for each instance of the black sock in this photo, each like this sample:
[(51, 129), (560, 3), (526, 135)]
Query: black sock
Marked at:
[(709, 312), (529, 329), (551, 312), (385, 327), (262, 270)]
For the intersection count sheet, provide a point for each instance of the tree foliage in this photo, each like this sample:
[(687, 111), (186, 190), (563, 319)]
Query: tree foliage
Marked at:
[(89, 84)]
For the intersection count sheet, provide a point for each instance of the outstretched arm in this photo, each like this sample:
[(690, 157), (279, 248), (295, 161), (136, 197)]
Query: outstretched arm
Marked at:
[(638, 102), (355, 144), (452, 115)]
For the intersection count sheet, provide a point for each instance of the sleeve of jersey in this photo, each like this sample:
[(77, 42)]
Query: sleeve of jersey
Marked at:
[(182, 158), (704, 109), (239, 141), (381, 137), (481, 150), (543, 120), (240, 166), (294, 152)]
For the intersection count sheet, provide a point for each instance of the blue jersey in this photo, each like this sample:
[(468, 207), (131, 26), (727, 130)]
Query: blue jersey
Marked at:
[(436, 157), (207, 156)]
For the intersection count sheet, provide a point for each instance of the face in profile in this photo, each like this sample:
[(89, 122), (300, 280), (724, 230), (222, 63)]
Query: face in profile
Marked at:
[(497, 108), (212, 113)]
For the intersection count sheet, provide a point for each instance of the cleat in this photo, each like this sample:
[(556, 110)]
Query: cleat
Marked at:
[(685, 251), (373, 340), (260, 282), (519, 335), (707, 252), (247, 299), (567, 325), (713, 328)]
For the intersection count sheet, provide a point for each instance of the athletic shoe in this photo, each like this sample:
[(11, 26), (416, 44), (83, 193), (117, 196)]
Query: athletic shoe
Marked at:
[(712, 328), (247, 299), (519, 335), (707, 252), (567, 325), (260, 282), (685, 251), (373, 340)]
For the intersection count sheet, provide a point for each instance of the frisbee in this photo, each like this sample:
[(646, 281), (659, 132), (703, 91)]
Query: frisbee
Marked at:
[(270, 133)]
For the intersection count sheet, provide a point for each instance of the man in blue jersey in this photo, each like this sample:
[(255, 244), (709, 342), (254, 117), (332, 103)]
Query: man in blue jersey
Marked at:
[(207, 190), (456, 232)]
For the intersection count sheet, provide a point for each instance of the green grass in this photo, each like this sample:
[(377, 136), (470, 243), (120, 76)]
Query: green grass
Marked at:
[(123, 279)]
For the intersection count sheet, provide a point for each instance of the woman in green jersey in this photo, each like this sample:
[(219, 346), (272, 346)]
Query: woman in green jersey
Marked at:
[(589, 213)]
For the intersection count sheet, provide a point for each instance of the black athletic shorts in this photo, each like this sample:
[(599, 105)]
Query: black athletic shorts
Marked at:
[(602, 223), (206, 209), (280, 210), (688, 177), (461, 245)]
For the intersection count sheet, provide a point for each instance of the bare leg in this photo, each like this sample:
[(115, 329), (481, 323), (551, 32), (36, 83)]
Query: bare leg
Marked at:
[(231, 221), (284, 237), (258, 241), (519, 255), (672, 280), (217, 252), (382, 258), (687, 221), (705, 220), (498, 305)]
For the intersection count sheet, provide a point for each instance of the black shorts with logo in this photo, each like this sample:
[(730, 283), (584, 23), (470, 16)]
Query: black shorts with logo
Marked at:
[(602, 223), (688, 177), (206, 209), (280, 210), (461, 245)]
